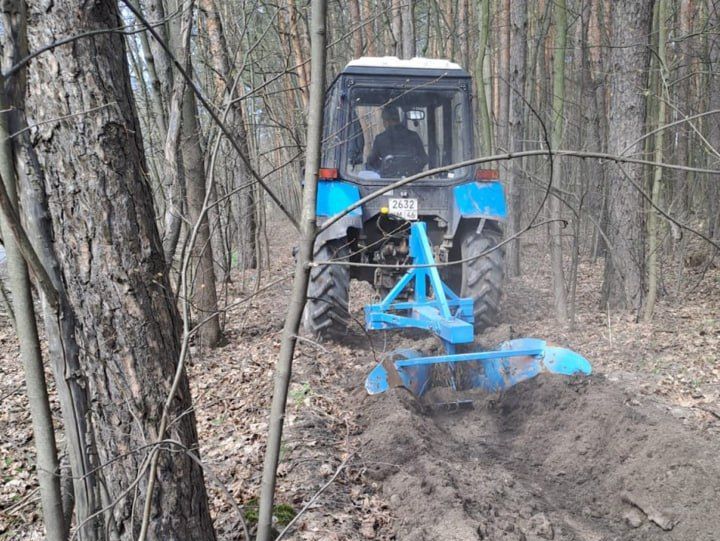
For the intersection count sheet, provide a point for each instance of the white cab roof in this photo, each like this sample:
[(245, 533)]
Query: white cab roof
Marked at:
[(395, 62)]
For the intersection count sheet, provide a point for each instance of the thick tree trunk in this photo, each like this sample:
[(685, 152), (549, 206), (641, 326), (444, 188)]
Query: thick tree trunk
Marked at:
[(112, 264), (624, 280)]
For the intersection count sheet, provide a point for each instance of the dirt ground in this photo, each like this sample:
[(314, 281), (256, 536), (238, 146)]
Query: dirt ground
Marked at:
[(627, 454), (553, 458)]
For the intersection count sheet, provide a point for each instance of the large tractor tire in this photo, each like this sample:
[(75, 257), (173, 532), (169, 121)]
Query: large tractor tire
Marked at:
[(482, 278), (326, 312)]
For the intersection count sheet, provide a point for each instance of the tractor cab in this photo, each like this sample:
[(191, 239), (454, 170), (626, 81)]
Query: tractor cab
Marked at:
[(387, 118)]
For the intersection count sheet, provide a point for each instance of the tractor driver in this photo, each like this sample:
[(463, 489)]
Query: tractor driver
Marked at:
[(397, 151)]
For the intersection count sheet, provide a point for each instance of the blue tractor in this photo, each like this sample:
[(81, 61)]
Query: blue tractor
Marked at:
[(386, 119)]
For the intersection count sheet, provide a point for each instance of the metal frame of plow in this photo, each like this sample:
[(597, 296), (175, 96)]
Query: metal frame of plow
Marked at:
[(445, 314), (439, 310)]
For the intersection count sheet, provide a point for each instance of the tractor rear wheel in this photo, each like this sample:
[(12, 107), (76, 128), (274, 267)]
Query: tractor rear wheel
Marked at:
[(482, 278), (326, 311)]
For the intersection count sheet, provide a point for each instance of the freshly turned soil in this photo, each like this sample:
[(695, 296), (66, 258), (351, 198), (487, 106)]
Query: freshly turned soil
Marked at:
[(553, 458)]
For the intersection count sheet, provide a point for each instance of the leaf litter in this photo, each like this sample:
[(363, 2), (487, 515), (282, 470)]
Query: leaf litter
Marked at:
[(627, 454)]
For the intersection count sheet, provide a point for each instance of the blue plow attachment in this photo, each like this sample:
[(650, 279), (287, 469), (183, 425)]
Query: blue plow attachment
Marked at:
[(436, 308), (492, 371)]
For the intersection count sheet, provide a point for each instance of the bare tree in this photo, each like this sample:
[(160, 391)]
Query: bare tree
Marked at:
[(516, 129), (302, 270), (558, 102), (226, 87)]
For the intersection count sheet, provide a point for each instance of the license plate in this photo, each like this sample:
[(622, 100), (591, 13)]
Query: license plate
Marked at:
[(406, 209)]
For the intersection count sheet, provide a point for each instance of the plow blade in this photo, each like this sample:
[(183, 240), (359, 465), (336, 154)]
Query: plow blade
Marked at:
[(492, 371)]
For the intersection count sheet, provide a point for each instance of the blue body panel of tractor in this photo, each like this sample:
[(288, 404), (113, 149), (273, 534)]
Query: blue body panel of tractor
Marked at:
[(472, 200)]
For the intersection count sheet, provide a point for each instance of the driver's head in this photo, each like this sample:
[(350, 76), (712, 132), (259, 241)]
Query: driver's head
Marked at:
[(390, 115)]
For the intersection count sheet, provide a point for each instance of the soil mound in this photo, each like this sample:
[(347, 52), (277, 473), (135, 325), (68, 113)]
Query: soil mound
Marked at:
[(553, 458)]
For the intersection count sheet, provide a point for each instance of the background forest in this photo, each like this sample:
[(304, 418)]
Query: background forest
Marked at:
[(152, 160)]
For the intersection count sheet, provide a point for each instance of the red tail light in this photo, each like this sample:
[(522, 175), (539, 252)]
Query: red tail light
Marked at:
[(326, 173), (487, 174)]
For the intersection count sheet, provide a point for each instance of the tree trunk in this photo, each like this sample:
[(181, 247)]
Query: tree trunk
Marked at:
[(396, 26), (556, 136), (220, 59), (517, 66), (204, 289), (624, 280), (174, 181), (408, 29), (357, 31), (653, 225), (486, 142), (369, 27), (47, 466), (297, 49), (463, 14), (713, 184), (204, 292), (302, 271), (112, 264), (60, 322)]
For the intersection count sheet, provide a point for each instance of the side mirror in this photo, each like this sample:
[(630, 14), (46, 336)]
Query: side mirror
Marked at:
[(415, 114)]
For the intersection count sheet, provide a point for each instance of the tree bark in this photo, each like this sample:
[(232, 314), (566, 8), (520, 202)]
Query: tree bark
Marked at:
[(59, 319), (407, 14), (653, 225), (112, 264), (517, 66), (204, 292), (624, 279), (486, 142), (47, 465), (220, 59), (556, 137), (357, 32)]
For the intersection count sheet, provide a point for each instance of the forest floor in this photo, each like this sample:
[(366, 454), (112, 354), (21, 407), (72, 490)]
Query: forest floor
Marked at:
[(629, 453)]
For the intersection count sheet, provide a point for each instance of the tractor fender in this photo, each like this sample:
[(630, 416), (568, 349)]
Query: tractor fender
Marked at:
[(475, 201), (333, 197)]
